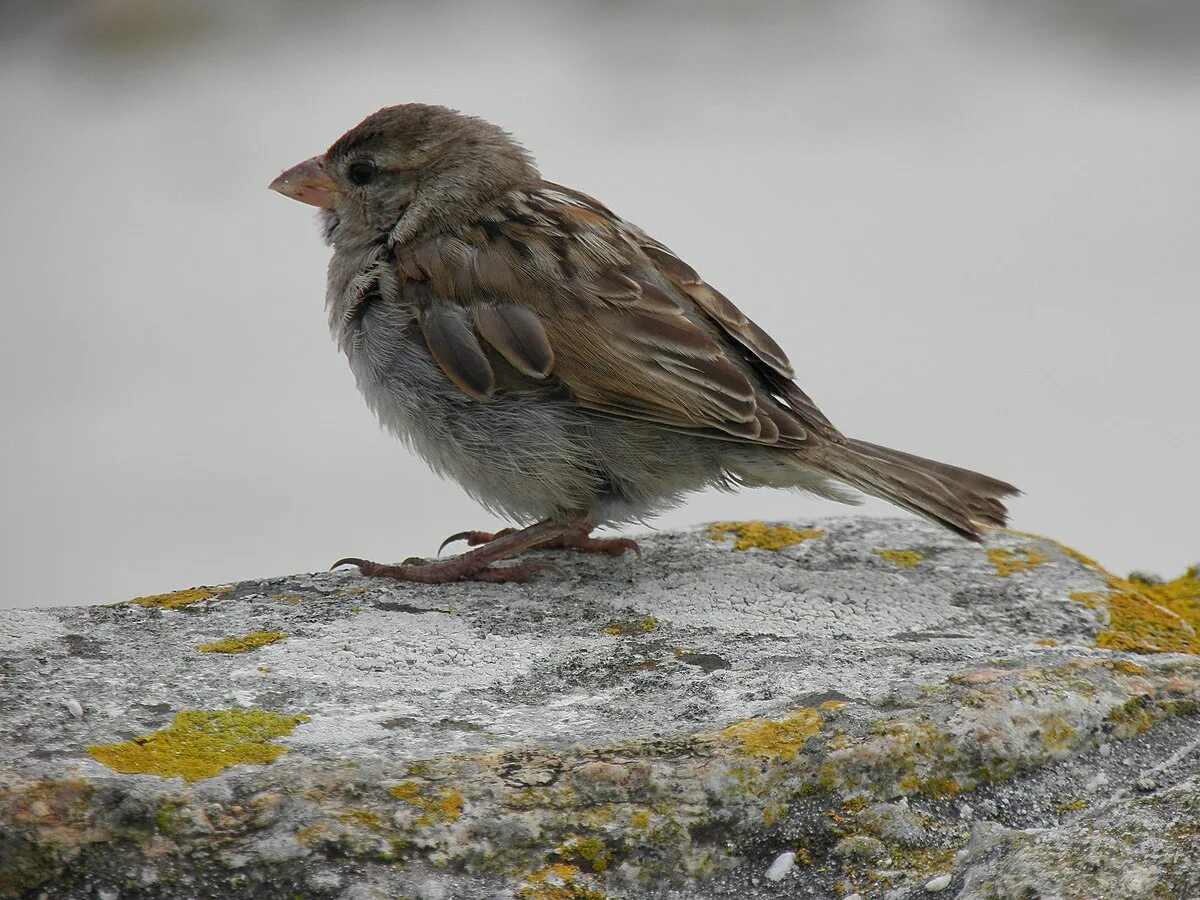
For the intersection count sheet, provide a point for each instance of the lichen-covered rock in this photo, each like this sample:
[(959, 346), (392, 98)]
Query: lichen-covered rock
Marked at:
[(752, 710)]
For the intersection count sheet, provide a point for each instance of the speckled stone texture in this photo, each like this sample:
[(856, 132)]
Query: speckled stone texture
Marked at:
[(879, 708)]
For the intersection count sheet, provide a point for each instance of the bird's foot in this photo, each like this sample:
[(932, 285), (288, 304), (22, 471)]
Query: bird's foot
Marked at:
[(447, 570), (475, 538), (585, 543), (579, 539)]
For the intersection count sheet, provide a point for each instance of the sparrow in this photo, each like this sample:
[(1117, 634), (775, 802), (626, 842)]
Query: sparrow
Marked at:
[(564, 367)]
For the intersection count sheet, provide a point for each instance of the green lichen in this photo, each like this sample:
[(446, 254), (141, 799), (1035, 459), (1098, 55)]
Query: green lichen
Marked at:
[(167, 818), (907, 558), (643, 625), (244, 643), (1135, 715), (761, 535), (1019, 559), (900, 757), (1057, 733), (775, 739), (40, 820), (199, 743), (177, 599)]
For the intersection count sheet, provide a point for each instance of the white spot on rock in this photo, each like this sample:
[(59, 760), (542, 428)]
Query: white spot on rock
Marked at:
[(74, 707), (783, 864), (933, 885)]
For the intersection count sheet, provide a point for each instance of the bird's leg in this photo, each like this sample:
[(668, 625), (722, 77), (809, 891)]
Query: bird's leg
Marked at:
[(474, 565), (578, 538)]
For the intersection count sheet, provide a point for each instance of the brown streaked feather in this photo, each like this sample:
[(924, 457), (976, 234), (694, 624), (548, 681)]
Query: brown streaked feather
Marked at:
[(558, 286), (656, 300), (790, 430), (616, 285), (455, 349), (768, 431), (517, 332), (740, 328), (680, 390), (749, 432), (721, 309), (678, 271), (802, 405)]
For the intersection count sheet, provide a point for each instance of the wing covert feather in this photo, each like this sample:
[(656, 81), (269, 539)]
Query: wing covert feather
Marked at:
[(561, 288)]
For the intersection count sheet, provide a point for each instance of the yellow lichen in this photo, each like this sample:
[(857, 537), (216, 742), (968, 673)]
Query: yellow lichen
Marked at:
[(406, 790), (443, 805), (199, 743), (590, 850), (1144, 616), (558, 881), (776, 739), (1073, 805), (176, 599), (773, 813), (242, 644), (285, 598), (1090, 599), (1125, 667), (311, 835), (906, 558), (1019, 559), (1046, 642), (640, 820), (1154, 618), (357, 816), (762, 535), (636, 626)]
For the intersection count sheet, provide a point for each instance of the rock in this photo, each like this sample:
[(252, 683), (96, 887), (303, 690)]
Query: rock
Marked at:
[(940, 883), (783, 864), (699, 724)]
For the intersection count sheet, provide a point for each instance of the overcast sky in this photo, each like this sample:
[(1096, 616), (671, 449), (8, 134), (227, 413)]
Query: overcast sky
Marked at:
[(973, 226)]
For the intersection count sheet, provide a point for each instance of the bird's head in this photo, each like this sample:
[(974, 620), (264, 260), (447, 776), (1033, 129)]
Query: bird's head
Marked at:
[(407, 170)]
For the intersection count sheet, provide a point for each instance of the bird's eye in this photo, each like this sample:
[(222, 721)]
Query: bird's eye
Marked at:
[(360, 173)]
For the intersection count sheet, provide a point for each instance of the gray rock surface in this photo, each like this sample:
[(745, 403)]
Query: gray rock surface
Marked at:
[(884, 702)]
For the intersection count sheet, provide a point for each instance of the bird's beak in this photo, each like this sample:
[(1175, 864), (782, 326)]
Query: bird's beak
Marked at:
[(309, 183)]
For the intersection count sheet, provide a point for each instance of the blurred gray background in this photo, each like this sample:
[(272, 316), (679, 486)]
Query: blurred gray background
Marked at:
[(973, 225)]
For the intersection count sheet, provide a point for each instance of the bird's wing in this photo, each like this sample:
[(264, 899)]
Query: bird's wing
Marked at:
[(558, 287)]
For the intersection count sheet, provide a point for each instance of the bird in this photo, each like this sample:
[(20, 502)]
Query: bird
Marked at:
[(564, 367)]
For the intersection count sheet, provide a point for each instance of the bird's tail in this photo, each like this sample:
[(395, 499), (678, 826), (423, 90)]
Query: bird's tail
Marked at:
[(959, 499)]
